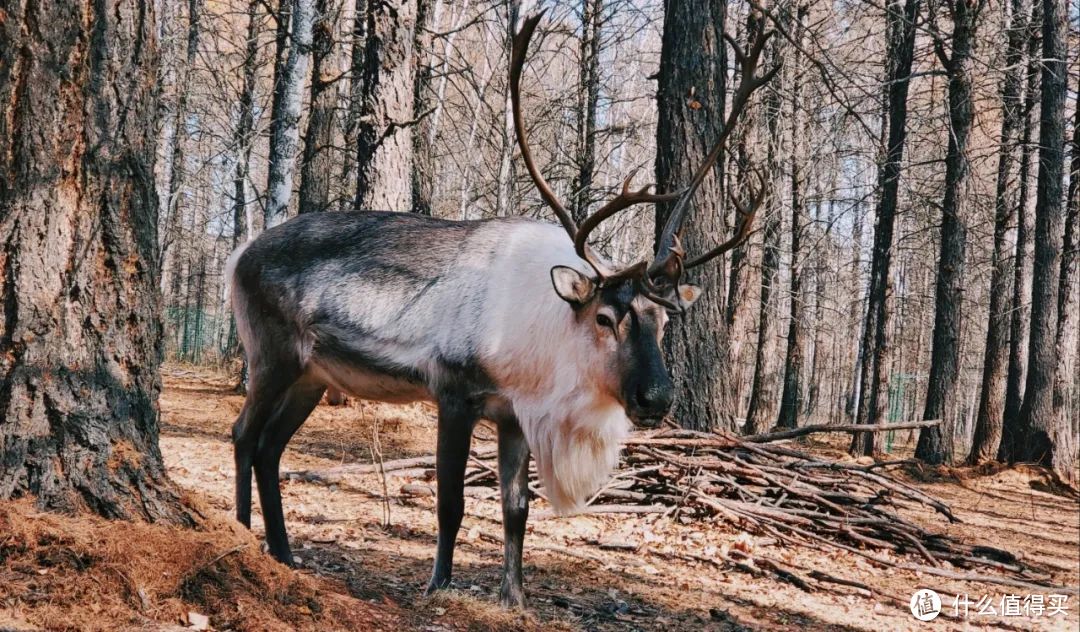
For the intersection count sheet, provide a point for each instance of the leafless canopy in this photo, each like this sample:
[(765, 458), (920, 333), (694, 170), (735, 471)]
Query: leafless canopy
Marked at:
[(660, 278)]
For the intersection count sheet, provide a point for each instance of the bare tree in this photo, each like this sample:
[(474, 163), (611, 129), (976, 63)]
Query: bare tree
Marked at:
[(900, 27), (179, 136), (1021, 290), (791, 396), (319, 156), (949, 291), (588, 97), (1045, 436), (987, 434)]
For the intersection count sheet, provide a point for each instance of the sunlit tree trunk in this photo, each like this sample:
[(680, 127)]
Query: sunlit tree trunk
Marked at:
[(690, 59), (384, 141), (80, 340)]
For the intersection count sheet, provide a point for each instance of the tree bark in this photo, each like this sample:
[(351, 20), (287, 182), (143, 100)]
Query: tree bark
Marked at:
[(791, 397), (423, 171), (1066, 403), (319, 156), (384, 144), (1021, 289), (900, 51), (351, 126), (80, 342), (949, 289), (285, 128), (690, 60), (170, 225), (988, 421), (1045, 435), (588, 95), (504, 187)]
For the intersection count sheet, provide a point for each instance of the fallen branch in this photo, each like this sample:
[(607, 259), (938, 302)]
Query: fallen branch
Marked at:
[(793, 433)]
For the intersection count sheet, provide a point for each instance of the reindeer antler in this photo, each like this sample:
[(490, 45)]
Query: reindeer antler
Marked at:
[(669, 265), (669, 262)]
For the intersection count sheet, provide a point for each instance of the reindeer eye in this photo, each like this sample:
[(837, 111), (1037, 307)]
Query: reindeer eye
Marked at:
[(605, 321)]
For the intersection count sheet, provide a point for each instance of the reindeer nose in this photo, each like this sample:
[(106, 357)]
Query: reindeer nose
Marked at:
[(654, 399)]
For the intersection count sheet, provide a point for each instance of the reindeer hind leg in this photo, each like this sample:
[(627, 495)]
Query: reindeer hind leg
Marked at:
[(297, 404)]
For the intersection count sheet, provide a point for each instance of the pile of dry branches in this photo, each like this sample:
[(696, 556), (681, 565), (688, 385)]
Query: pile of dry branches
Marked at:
[(770, 490), (792, 496)]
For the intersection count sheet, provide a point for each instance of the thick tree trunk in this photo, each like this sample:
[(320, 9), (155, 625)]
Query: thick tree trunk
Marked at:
[(588, 95), (80, 342), (949, 290), (1046, 436), (690, 60), (384, 142), (285, 131), (319, 155), (791, 397), (900, 53), (988, 421)]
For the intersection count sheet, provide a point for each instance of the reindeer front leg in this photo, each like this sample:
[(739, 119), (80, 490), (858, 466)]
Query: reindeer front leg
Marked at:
[(456, 420), (514, 485)]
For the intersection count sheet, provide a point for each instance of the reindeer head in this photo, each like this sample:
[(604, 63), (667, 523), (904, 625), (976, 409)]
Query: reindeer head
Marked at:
[(624, 310)]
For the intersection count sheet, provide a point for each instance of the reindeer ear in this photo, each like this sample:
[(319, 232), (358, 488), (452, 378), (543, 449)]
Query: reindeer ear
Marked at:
[(572, 286), (688, 294)]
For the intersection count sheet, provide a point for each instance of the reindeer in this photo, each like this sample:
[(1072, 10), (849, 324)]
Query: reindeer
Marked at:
[(502, 319)]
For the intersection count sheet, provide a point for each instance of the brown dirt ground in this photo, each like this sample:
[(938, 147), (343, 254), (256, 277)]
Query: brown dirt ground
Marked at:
[(595, 572)]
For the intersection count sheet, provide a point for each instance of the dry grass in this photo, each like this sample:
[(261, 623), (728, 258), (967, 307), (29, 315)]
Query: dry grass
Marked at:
[(85, 573)]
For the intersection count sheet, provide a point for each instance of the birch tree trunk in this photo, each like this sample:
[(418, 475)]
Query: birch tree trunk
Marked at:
[(80, 341), (285, 133)]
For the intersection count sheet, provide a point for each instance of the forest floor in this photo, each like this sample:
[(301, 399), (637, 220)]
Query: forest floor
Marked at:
[(364, 555)]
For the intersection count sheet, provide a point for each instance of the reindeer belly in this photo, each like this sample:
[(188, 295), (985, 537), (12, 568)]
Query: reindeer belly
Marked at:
[(365, 383)]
